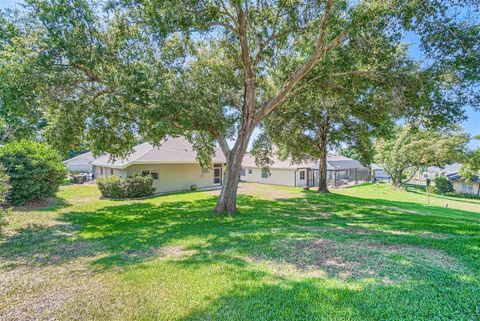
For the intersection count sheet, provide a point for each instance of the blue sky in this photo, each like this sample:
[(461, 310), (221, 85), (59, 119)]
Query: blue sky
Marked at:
[(471, 126)]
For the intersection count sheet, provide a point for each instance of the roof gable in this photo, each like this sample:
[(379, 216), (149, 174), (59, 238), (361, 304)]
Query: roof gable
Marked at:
[(172, 150), (82, 158)]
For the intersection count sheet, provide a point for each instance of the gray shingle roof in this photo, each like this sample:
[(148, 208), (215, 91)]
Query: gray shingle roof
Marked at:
[(458, 177), (172, 150), (334, 162), (82, 158)]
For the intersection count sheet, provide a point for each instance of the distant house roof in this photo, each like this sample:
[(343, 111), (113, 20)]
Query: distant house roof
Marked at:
[(457, 177), (334, 162), (342, 163), (172, 150), (85, 158), (451, 168)]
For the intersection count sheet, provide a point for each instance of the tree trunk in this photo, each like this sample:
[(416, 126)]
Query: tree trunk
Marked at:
[(322, 163), (397, 179), (322, 179), (227, 202)]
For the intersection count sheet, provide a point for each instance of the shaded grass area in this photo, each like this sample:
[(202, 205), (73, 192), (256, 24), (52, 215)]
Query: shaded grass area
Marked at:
[(290, 255)]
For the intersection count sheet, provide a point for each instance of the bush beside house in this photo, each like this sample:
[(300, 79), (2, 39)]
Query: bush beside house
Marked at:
[(130, 187), (35, 170), (443, 185)]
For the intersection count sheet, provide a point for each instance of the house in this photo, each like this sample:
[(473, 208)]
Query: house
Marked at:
[(379, 174), (173, 165), (80, 163), (431, 172), (279, 173), (460, 186), (340, 171)]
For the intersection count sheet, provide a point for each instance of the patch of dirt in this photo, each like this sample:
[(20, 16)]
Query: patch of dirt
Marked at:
[(320, 215), (366, 231), (42, 204), (171, 252), (43, 293)]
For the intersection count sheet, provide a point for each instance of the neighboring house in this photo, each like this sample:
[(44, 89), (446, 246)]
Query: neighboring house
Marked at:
[(432, 172), (340, 171), (279, 173), (80, 163), (379, 174), (173, 165), (460, 186)]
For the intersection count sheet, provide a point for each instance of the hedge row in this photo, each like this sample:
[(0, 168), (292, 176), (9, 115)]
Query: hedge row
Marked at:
[(130, 187)]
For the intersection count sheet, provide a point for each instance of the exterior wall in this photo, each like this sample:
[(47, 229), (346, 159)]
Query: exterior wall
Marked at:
[(175, 177), (277, 176), (457, 187), (106, 171)]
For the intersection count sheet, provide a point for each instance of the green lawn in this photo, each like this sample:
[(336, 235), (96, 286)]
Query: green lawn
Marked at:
[(362, 253)]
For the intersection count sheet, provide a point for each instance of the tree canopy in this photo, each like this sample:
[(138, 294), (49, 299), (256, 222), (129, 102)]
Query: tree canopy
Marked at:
[(212, 70), (413, 148), (471, 164)]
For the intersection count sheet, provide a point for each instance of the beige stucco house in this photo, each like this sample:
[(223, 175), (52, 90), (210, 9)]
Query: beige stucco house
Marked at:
[(340, 171), (460, 186), (173, 166)]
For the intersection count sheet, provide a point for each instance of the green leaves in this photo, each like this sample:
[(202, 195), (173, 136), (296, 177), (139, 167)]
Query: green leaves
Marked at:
[(35, 170), (413, 148)]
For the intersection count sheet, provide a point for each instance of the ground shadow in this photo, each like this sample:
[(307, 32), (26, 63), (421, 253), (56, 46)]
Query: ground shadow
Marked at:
[(128, 234), (44, 205), (288, 249)]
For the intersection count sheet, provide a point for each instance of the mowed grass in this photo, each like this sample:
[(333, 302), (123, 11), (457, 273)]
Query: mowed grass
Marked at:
[(362, 253)]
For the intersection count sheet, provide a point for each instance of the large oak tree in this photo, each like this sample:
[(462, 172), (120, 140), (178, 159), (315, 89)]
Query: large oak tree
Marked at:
[(212, 70)]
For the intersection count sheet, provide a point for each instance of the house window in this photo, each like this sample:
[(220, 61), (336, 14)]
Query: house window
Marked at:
[(242, 172), (205, 170), (265, 173), (151, 172), (302, 175), (467, 188), (111, 171), (249, 171), (101, 170)]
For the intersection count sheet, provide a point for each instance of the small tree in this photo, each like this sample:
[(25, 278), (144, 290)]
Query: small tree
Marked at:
[(35, 170), (411, 149)]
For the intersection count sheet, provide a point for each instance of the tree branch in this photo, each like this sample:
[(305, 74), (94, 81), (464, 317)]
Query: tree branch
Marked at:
[(320, 50), (221, 140), (266, 43), (242, 34)]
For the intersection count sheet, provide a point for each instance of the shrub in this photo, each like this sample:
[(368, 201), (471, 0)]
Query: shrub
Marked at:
[(35, 170), (443, 185), (130, 187), (138, 186), (110, 186), (193, 188)]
